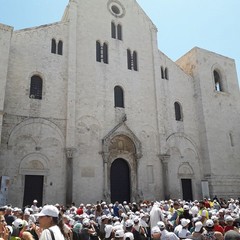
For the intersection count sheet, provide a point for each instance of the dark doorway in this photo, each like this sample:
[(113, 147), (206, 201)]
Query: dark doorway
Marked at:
[(33, 189), (187, 189), (120, 181)]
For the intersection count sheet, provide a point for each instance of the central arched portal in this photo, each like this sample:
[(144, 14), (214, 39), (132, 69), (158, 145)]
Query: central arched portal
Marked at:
[(120, 181)]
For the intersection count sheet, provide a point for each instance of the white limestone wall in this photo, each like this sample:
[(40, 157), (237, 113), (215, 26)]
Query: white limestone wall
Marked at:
[(95, 93), (5, 41), (181, 137), (42, 139), (220, 116)]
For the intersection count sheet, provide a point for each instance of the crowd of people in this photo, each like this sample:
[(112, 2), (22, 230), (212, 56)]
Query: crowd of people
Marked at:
[(147, 220)]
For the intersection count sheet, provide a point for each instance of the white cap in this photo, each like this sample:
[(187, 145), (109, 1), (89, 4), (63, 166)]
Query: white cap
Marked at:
[(161, 225), (229, 219), (155, 230), (48, 210), (129, 235), (184, 222), (209, 223), (108, 230), (119, 234), (129, 223), (18, 223), (198, 226)]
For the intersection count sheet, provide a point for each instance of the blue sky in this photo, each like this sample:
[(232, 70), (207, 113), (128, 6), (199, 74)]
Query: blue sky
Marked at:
[(182, 24)]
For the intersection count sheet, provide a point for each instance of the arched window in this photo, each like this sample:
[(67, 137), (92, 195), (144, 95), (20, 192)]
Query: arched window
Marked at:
[(36, 87), (119, 32), (118, 97), (129, 59), (178, 111), (162, 72), (113, 29), (54, 46), (166, 73), (60, 47), (105, 53), (135, 67), (217, 81), (98, 51)]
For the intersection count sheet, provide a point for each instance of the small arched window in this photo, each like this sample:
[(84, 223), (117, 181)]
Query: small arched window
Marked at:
[(129, 59), (118, 97), (54, 46), (162, 72), (36, 87), (135, 64), (217, 81), (178, 111), (105, 53), (113, 30), (119, 32), (60, 47), (98, 51), (166, 73)]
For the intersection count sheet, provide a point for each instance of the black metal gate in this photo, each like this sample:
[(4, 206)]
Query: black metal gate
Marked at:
[(120, 181), (187, 189), (33, 189)]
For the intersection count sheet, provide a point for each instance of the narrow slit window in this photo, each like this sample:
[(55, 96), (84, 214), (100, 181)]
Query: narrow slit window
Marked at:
[(98, 51), (129, 59), (113, 30), (135, 64), (162, 72), (105, 53), (54, 46), (178, 111), (119, 32), (60, 47)]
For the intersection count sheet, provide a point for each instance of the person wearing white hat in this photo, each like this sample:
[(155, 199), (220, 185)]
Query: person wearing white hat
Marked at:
[(165, 234), (229, 224), (155, 233), (34, 206), (210, 234), (48, 219)]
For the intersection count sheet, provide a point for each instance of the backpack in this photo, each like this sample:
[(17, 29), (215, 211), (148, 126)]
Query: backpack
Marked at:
[(209, 236)]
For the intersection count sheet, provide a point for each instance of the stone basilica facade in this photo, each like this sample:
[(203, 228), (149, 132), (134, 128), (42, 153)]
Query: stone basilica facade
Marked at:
[(91, 109)]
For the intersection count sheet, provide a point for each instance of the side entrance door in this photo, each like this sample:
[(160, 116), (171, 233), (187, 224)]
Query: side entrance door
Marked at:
[(33, 189), (187, 189)]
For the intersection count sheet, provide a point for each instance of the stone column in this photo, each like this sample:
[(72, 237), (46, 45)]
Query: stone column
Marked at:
[(69, 174), (106, 194), (165, 159)]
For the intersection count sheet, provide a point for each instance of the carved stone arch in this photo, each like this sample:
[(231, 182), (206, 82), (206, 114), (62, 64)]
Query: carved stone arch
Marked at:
[(34, 164), (32, 121), (185, 170), (121, 142)]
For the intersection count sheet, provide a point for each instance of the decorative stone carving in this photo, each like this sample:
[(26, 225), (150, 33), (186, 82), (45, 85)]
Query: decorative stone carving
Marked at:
[(70, 152)]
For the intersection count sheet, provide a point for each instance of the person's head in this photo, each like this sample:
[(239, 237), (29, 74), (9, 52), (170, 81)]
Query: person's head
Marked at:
[(209, 225), (48, 216), (129, 225), (201, 204), (215, 220), (27, 236), (176, 205), (35, 202), (185, 222), (2, 221), (186, 208), (156, 233), (198, 227), (231, 235), (119, 234), (161, 225), (229, 220)]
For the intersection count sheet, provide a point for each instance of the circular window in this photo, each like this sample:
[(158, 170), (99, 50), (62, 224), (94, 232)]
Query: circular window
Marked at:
[(116, 8)]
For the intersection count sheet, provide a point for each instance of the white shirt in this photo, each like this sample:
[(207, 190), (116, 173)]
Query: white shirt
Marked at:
[(46, 235)]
